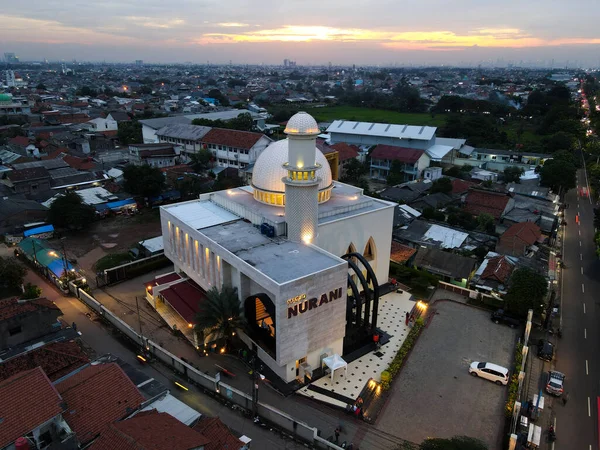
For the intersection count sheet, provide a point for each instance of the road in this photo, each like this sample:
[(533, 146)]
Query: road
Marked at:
[(577, 421), (100, 339)]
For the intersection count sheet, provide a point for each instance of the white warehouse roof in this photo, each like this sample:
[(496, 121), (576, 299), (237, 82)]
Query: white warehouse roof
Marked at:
[(382, 129), (448, 237), (200, 214)]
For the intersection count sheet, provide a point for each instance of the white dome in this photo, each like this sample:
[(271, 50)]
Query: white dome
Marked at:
[(302, 124), (268, 169)]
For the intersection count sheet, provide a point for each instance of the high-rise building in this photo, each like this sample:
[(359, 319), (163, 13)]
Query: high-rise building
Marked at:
[(139, 62), (10, 78), (286, 62), (11, 58)]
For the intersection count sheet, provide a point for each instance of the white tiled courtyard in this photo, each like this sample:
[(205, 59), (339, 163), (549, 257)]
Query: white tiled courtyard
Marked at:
[(391, 319)]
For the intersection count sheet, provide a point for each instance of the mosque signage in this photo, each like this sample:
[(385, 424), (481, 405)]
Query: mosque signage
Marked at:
[(300, 304)]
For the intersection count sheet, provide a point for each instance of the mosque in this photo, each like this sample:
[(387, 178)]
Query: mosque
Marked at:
[(305, 253)]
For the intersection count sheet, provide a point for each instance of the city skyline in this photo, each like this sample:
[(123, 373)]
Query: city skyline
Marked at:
[(378, 33)]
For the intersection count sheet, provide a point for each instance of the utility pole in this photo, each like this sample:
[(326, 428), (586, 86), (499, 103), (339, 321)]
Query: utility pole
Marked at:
[(139, 321), (34, 251), (64, 258), (256, 377)]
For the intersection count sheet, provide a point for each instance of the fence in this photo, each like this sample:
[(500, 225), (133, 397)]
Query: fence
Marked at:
[(130, 270), (473, 295), (269, 414)]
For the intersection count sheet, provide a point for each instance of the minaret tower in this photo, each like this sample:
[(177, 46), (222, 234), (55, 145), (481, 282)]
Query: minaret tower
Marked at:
[(302, 182)]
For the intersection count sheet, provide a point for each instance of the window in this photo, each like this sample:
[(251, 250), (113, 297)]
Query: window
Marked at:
[(370, 251), (15, 330), (34, 187)]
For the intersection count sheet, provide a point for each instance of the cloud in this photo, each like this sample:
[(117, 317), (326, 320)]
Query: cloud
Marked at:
[(232, 24), (150, 22)]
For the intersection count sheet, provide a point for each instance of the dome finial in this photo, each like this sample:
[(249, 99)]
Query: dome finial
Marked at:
[(302, 124)]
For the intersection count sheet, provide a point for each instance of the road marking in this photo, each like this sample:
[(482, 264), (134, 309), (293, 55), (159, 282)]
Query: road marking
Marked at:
[(582, 271), (587, 368), (589, 408), (580, 243), (582, 288), (580, 233), (581, 257), (585, 333), (584, 308)]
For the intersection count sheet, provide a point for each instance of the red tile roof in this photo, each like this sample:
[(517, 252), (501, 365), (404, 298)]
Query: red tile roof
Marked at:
[(461, 186), (57, 360), (232, 138), (528, 232), (79, 163), (220, 437), (401, 253), (28, 399), (12, 307), (498, 268), (185, 298), (97, 396), (492, 203), (345, 151), (149, 430), (405, 155), (21, 141)]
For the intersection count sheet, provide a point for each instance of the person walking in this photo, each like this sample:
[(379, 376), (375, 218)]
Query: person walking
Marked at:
[(565, 398), (337, 434)]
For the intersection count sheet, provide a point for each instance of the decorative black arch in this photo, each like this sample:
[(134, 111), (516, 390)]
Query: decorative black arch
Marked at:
[(262, 336), (361, 325)]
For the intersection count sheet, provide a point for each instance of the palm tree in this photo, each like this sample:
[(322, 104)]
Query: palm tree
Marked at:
[(220, 315)]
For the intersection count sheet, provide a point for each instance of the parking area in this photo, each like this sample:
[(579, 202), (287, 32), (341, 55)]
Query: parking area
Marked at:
[(434, 395)]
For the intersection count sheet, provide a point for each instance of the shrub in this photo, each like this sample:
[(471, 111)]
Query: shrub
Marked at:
[(513, 385), (407, 345)]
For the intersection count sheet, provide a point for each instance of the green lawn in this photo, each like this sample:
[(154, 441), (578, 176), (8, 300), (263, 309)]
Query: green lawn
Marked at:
[(331, 113), (112, 260)]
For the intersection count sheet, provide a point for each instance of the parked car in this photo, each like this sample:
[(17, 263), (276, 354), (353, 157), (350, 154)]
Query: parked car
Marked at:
[(489, 371), (545, 350), (556, 383), (500, 316)]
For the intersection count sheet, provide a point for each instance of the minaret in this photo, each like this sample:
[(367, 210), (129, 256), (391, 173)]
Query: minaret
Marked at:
[(301, 182)]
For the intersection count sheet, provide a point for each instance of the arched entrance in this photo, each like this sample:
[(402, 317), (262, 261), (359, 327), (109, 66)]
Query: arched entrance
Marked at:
[(362, 302), (259, 311)]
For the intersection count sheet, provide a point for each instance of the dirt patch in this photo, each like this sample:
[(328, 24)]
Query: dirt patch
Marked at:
[(114, 234)]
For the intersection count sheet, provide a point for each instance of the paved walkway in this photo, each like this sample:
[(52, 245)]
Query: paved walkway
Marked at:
[(392, 313)]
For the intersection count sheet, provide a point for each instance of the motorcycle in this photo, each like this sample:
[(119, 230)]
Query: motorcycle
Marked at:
[(551, 434)]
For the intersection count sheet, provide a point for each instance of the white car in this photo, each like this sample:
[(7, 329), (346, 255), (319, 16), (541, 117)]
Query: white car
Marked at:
[(489, 371)]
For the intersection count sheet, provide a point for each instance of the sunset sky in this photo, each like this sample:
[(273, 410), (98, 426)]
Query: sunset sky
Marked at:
[(309, 31)]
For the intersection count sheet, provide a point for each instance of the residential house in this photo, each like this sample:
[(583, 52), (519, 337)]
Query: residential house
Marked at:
[(332, 156), (56, 359), (402, 254), (32, 413), (484, 175), (480, 201), (518, 239), (493, 274), (432, 173), (414, 161), (530, 209), (451, 268), (233, 148), (420, 233), (346, 153), (151, 126), (15, 212), (101, 124), (97, 396), (404, 214), (26, 320), (538, 192), (27, 181), (220, 437), (437, 200), (187, 138), (13, 106), (150, 430), (154, 155), (407, 192)]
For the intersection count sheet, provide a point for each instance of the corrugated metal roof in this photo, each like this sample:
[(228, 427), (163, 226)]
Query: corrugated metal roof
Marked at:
[(176, 408), (382, 129), (201, 214)]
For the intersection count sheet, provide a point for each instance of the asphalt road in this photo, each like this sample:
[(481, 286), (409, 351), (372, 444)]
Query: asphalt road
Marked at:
[(100, 339), (577, 355)]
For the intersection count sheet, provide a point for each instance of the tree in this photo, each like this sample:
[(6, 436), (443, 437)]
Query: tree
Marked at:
[(69, 211), (220, 315), (558, 141), (143, 181), (243, 122), (430, 213), (11, 273), (216, 94), (86, 91), (512, 174), (201, 160), (354, 170), (443, 185), (41, 87), (559, 172), (225, 181), (486, 222), (527, 290), (31, 291), (455, 443), (130, 133), (396, 175)]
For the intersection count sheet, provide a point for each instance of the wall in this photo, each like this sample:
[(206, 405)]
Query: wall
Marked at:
[(32, 325), (374, 140), (335, 237), (149, 135)]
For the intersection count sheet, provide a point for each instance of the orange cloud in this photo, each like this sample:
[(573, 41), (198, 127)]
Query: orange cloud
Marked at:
[(417, 40)]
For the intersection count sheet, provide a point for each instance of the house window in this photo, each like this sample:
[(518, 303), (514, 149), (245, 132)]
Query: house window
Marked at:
[(15, 330), (34, 187)]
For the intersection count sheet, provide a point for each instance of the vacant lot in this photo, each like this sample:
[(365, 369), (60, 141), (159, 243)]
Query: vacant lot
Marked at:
[(331, 113), (434, 395)]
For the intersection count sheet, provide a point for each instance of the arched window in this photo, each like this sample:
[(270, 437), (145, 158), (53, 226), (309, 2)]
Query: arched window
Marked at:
[(351, 248), (370, 252)]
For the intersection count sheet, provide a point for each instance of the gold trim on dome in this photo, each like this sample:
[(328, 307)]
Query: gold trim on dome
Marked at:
[(278, 198)]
